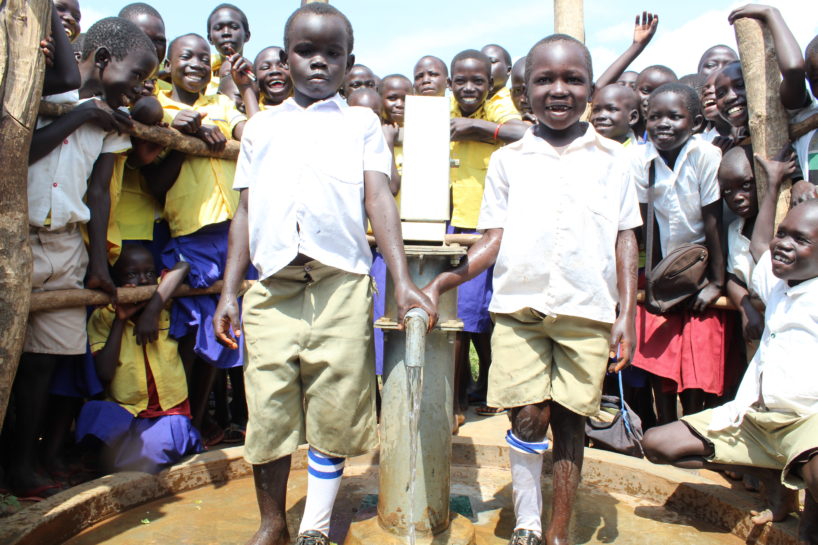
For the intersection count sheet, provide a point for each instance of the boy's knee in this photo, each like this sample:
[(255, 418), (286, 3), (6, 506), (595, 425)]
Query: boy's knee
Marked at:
[(529, 423), (652, 446)]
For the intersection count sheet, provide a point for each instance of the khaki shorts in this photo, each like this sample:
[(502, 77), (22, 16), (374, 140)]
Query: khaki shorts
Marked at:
[(59, 262), (309, 366), (770, 439), (537, 358)]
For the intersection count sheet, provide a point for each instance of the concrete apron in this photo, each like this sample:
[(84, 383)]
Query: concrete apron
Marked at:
[(67, 513)]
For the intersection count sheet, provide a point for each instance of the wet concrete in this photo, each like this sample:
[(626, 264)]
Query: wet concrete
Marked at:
[(227, 515)]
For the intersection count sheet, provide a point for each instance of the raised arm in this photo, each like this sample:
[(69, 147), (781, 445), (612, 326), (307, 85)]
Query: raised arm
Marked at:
[(793, 87), (64, 74), (643, 33), (777, 170)]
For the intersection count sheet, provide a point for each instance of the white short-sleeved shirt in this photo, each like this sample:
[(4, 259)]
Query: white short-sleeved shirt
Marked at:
[(560, 215), (801, 145), (783, 371), (740, 261), (679, 194), (57, 182), (304, 169)]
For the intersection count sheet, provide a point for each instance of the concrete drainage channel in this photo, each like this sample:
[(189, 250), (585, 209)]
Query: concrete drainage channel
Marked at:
[(615, 489)]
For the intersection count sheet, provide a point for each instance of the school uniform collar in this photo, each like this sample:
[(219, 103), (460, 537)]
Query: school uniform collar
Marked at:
[(693, 143), (804, 287), (335, 102), (203, 100), (531, 143)]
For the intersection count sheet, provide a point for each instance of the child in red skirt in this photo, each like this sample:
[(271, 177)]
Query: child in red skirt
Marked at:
[(685, 349)]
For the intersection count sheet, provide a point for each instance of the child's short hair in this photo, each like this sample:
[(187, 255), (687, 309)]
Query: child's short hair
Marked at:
[(319, 8), (118, 35), (396, 76), (812, 48), (177, 38), (696, 81), (686, 92), (554, 38), (471, 54), (131, 11), (710, 50), (506, 54), (662, 69), (242, 16)]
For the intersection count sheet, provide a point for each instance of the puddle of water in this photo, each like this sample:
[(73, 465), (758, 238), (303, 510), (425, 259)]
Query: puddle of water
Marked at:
[(228, 515)]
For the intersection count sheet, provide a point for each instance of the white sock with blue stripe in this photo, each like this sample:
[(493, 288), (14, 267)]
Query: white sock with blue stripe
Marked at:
[(526, 474), (323, 481)]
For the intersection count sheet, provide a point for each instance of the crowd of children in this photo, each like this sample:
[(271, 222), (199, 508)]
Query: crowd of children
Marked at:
[(547, 294)]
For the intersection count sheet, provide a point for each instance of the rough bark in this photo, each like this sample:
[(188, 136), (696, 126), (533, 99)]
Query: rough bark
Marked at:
[(769, 127), (22, 68), (569, 18)]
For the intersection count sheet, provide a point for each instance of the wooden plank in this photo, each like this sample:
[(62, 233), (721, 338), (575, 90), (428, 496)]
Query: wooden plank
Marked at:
[(170, 138), (25, 24), (769, 127), (569, 18)]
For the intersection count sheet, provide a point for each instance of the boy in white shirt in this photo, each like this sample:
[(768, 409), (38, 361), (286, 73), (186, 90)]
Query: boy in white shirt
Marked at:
[(311, 171), (69, 156), (559, 273), (773, 422)]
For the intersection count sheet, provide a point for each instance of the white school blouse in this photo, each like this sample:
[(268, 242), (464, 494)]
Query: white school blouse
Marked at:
[(560, 215), (680, 193), (304, 170), (783, 371), (740, 261), (57, 183)]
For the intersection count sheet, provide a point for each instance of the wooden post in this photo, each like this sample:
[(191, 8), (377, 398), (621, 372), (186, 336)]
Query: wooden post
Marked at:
[(569, 18), (22, 68), (769, 127)]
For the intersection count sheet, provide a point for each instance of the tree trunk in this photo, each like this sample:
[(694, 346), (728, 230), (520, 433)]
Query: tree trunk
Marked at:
[(22, 68), (569, 18), (769, 127)]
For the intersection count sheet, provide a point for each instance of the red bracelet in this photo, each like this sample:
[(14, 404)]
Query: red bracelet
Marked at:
[(497, 130)]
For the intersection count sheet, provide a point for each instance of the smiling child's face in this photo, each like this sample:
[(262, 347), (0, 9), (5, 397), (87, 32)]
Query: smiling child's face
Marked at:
[(394, 93), (614, 111), (273, 75), (669, 122), (471, 83), (318, 57), (123, 79), (793, 248), (189, 62), (559, 84), (731, 96), (69, 12), (647, 81)]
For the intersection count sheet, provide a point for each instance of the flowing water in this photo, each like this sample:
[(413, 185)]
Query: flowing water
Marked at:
[(414, 379)]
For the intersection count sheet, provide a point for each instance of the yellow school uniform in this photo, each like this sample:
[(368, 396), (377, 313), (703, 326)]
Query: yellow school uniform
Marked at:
[(468, 179), (129, 387), (500, 108), (216, 61), (137, 210), (203, 192)]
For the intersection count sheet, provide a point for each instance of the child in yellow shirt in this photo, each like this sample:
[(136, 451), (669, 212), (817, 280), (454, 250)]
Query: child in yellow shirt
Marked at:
[(199, 203)]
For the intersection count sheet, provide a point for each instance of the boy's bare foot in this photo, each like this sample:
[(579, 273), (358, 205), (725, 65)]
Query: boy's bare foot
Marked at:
[(271, 536), (808, 525), (781, 500)]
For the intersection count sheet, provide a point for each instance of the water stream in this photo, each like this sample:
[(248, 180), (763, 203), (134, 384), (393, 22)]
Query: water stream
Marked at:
[(414, 379)]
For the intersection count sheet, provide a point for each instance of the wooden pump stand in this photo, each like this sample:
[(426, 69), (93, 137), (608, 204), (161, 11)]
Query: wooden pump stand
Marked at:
[(769, 127)]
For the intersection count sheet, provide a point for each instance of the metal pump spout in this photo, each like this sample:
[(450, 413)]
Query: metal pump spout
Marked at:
[(417, 323)]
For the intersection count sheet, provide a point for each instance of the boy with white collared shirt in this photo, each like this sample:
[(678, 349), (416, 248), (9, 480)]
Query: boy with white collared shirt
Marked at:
[(311, 171), (771, 428), (559, 273)]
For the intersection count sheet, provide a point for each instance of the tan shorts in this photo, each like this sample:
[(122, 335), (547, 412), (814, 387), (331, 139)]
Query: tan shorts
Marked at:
[(59, 260), (538, 358), (768, 439), (309, 366)]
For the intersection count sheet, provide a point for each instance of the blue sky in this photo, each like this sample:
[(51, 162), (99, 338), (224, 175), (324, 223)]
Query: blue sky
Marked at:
[(390, 39)]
